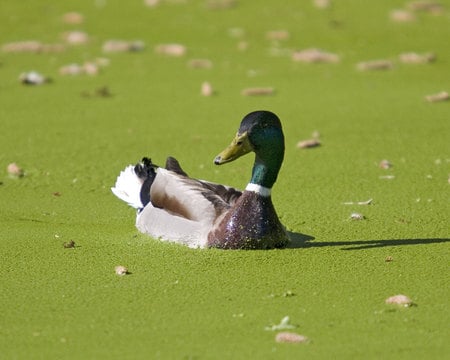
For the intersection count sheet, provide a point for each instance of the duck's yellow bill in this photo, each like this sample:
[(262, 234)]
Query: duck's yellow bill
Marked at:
[(238, 147)]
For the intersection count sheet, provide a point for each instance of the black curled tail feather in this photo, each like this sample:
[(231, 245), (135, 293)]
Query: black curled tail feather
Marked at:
[(146, 171)]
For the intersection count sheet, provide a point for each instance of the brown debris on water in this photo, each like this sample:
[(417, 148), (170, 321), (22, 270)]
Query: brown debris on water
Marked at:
[(258, 91), (415, 58), (102, 92), (402, 16), (91, 67), (32, 46), (176, 50), (200, 64), (357, 216), (439, 97), (431, 7), (322, 4), (112, 46), (121, 270), (385, 164), (75, 37), (69, 245), (290, 337), (401, 300), (314, 55), (278, 35), (14, 170), (375, 65), (309, 143), (367, 202), (151, 3), (73, 18), (206, 89), (33, 78), (220, 4), (22, 46)]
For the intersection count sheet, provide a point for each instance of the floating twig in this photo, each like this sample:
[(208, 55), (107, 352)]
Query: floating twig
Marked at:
[(290, 337), (402, 16), (73, 18), (415, 58), (283, 325), (309, 143), (200, 64), (278, 35), (112, 46), (367, 202), (175, 50), (401, 300), (314, 55), (442, 96), (258, 91), (375, 65)]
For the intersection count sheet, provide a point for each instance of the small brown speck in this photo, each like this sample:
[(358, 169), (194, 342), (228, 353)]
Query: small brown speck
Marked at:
[(56, 193), (290, 337), (69, 245), (389, 259)]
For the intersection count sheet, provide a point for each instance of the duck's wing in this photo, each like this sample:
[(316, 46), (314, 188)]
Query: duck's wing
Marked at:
[(224, 193), (160, 224), (189, 198)]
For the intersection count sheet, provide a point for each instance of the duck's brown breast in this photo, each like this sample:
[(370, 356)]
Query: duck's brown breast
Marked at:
[(251, 224)]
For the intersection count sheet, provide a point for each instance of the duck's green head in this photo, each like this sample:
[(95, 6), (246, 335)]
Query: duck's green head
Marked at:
[(260, 132)]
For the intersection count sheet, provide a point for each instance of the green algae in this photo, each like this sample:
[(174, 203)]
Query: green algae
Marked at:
[(176, 302)]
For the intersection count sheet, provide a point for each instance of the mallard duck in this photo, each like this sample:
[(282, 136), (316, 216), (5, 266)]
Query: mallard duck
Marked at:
[(174, 207)]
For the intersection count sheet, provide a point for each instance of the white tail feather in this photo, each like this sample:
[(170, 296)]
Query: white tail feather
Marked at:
[(128, 187)]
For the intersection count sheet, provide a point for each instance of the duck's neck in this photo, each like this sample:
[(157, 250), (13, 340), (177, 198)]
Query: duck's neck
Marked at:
[(264, 174)]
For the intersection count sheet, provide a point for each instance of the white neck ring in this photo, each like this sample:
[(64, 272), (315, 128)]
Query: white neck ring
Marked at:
[(260, 190)]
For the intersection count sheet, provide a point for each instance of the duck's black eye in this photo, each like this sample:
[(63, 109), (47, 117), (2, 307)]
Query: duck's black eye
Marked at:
[(239, 143)]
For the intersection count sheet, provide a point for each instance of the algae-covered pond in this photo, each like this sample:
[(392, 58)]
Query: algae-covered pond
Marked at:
[(370, 205)]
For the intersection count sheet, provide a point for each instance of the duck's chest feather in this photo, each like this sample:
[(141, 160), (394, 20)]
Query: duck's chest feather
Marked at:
[(251, 224)]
